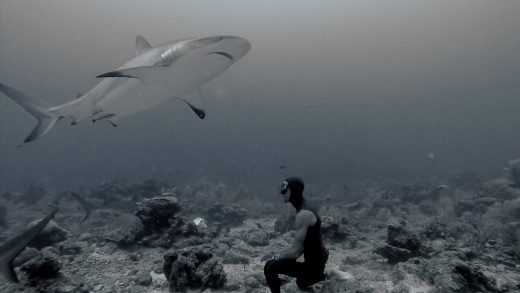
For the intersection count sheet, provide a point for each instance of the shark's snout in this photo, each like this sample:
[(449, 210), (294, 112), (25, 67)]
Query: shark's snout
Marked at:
[(243, 46), (235, 46)]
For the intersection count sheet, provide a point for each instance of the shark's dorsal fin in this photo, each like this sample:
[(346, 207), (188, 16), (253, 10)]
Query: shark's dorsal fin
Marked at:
[(141, 45), (195, 101), (12, 248)]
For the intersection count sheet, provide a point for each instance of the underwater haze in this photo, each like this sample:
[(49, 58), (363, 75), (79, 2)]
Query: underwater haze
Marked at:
[(332, 91)]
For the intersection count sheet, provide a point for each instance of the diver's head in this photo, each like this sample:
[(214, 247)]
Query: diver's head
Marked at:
[(295, 186)]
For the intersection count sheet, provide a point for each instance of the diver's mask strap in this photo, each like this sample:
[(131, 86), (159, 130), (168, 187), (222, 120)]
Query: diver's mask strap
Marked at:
[(284, 187)]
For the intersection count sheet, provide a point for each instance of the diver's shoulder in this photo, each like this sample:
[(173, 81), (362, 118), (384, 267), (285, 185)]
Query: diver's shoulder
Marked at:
[(307, 215)]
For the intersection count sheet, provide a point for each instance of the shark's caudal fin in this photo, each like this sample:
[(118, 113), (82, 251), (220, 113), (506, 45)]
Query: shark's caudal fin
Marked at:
[(12, 248), (46, 118)]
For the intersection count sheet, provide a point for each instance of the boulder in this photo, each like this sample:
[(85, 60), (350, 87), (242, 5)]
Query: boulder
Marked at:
[(332, 230), (399, 235), (401, 244), (156, 212), (45, 265), (394, 254), (195, 268), (285, 223), (256, 237)]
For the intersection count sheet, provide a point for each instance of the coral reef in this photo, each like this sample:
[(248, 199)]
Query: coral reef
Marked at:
[(464, 238)]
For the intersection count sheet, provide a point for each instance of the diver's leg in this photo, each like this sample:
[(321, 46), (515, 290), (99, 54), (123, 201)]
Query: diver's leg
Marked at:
[(274, 267), (313, 272), (310, 275)]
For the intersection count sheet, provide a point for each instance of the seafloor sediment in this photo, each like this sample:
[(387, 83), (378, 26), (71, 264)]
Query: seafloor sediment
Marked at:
[(416, 237)]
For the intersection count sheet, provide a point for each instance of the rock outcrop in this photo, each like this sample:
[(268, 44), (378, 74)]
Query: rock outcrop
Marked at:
[(193, 268), (401, 243)]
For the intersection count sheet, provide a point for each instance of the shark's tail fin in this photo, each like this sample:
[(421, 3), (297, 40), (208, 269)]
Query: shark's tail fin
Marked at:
[(87, 206), (46, 118)]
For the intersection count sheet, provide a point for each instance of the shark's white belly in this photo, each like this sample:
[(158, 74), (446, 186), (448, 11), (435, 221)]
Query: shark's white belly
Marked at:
[(125, 96)]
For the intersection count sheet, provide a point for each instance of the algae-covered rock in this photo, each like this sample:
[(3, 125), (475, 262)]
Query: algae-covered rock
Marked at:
[(285, 222), (332, 230), (45, 265), (51, 234), (256, 237), (402, 243), (231, 215), (193, 267), (156, 212)]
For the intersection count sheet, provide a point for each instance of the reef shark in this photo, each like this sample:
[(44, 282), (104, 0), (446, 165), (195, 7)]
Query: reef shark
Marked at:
[(156, 74), (13, 247)]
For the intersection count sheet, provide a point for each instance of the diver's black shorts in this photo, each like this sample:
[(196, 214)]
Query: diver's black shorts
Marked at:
[(306, 273)]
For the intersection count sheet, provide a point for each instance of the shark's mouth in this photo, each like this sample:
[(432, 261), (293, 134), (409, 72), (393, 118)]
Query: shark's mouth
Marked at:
[(223, 54)]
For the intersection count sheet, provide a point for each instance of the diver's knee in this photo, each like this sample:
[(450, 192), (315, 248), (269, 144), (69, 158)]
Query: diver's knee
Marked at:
[(269, 267)]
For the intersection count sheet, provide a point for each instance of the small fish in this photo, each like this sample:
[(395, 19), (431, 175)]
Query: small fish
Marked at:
[(259, 226), (282, 167)]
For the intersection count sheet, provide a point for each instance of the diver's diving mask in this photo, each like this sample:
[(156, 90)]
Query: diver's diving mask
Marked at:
[(284, 187)]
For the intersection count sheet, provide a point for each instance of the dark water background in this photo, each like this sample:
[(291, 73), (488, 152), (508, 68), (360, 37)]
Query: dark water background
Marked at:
[(333, 91)]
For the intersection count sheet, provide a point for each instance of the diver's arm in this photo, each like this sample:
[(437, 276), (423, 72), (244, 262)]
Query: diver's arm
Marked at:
[(304, 219)]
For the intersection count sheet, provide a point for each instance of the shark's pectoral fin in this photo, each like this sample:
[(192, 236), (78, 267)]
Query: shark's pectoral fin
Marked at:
[(146, 74), (110, 118), (195, 101)]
